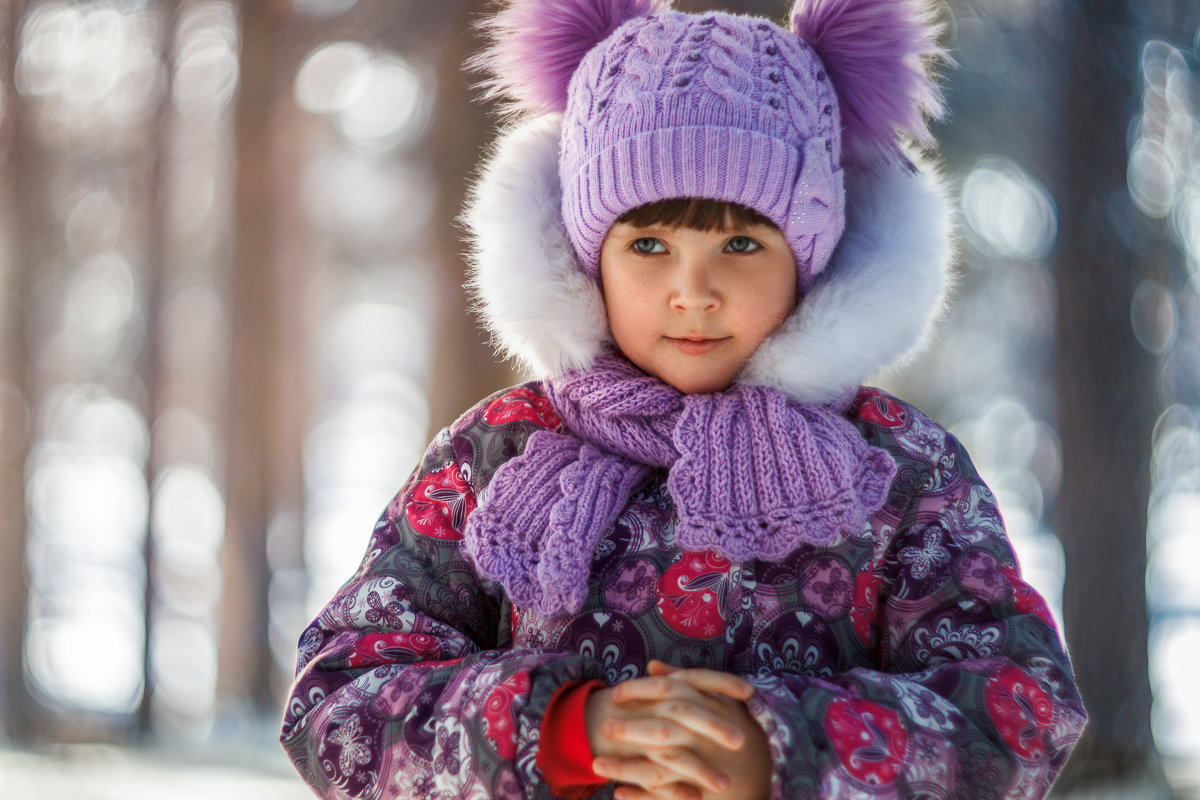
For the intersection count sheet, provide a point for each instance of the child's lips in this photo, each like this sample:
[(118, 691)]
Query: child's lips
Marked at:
[(695, 345)]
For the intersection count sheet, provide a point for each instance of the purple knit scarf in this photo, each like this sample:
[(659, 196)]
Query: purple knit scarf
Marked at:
[(752, 474)]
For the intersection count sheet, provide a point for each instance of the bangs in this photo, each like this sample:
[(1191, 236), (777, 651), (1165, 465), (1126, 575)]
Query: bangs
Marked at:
[(697, 213)]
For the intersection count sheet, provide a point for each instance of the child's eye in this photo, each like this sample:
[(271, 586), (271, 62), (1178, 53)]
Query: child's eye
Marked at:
[(648, 244), (742, 244)]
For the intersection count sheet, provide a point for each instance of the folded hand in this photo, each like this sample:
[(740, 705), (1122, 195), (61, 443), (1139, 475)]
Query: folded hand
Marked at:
[(679, 734)]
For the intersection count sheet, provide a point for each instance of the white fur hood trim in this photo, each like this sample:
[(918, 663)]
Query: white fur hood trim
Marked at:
[(872, 308)]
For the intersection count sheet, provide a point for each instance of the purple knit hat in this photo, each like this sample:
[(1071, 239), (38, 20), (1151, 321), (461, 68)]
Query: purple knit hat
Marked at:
[(658, 104), (723, 107)]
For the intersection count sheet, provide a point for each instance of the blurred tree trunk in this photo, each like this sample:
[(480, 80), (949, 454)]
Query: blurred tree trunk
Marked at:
[(149, 366), (20, 165), (1106, 408), (261, 475), (298, 247), (465, 370)]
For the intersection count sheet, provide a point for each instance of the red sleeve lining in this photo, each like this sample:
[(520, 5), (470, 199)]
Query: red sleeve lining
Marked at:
[(564, 753)]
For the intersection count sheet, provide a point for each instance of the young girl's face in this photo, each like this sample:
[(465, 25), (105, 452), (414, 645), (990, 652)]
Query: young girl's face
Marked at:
[(689, 306)]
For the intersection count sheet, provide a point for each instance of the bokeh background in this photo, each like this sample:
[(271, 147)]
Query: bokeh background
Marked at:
[(231, 317)]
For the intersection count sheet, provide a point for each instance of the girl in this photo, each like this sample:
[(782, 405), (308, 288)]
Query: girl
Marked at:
[(697, 558)]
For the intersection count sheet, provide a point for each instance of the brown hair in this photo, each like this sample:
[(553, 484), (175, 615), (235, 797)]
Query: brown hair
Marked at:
[(698, 213)]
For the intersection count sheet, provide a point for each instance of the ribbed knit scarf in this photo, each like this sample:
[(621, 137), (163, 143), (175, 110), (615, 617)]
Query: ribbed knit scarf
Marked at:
[(752, 474)]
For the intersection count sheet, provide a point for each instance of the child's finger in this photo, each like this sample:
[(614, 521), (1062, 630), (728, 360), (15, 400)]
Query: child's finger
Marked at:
[(651, 774), (705, 681), (652, 688), (641, 772), (664, 698), (685, 763), (710, 681), (674, 791), (656, 667), (672, 730)]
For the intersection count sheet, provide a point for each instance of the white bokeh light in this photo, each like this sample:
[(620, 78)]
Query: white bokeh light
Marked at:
[(1008, 212), (391, 107), (376, 100), (91, 64), (206, 64), (1174, 652), (332, 76), (88, 504)]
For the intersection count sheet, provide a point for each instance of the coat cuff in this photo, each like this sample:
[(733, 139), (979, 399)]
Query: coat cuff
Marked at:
[(564, 754)]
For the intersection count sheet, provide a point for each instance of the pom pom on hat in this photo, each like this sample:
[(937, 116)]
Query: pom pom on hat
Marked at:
[(877, 54), (536, 46)]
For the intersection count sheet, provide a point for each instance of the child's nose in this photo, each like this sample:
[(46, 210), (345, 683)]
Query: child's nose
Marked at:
[(694, 288)]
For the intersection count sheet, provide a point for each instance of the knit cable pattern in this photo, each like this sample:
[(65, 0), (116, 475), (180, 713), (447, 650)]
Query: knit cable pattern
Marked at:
[(752, 473), (718, 106)]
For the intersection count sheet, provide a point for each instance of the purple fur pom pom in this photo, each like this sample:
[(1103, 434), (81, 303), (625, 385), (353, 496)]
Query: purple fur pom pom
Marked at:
[(878, 54), (536, 46)]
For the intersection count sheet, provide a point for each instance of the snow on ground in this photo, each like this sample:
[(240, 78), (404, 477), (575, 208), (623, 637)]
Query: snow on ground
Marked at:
[(94, 772)]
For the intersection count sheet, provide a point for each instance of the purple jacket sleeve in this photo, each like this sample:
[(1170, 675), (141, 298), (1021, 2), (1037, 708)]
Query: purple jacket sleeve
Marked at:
[(406, 686), (971, 694)]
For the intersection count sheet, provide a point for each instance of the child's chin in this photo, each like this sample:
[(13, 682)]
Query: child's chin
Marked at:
[(697, 384)]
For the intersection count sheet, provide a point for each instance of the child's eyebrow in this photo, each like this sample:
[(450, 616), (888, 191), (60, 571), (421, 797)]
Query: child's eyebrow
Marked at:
[(637, 231), (627, 230)]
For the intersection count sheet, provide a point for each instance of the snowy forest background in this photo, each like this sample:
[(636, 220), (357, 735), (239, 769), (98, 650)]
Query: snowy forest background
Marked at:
[(231, 317)]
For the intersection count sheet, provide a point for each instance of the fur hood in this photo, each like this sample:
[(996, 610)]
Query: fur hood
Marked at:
[(872, 308)]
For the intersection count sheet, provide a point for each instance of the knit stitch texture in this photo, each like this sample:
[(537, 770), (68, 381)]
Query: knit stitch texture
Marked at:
[(752, 473), (717, 106)]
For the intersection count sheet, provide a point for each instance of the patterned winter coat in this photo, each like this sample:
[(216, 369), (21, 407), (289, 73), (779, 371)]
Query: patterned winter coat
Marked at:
[(905, 660)]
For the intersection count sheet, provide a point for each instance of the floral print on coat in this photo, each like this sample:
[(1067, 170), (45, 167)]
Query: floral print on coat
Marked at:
[(905, 660)]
